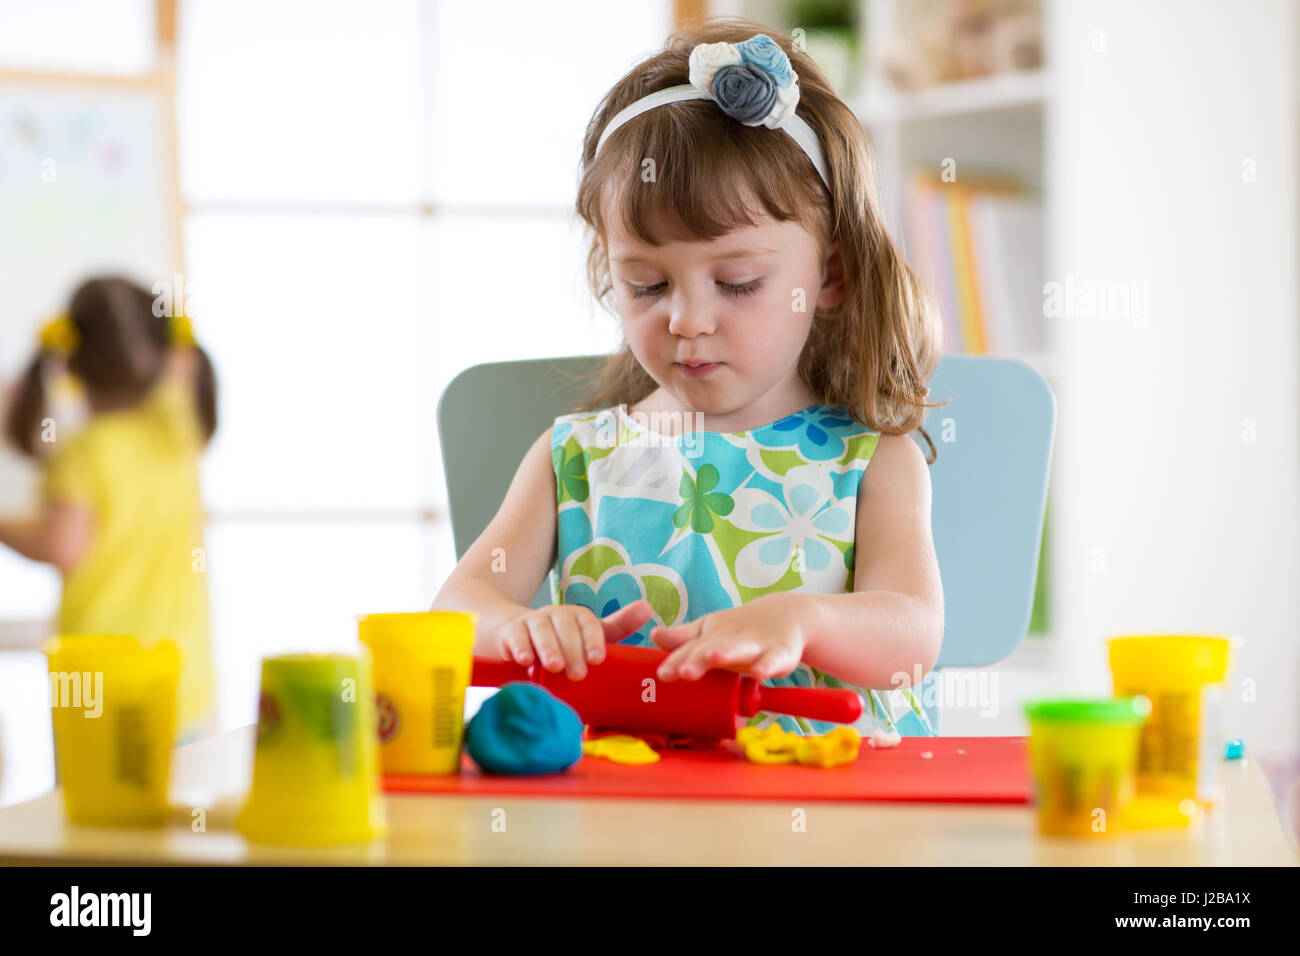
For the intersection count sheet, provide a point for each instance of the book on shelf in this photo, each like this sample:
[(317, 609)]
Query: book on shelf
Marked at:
[(977, 244)]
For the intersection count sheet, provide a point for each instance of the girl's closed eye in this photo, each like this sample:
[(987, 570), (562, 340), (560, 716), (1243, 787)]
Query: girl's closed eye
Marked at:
[(741, 288), (642, 290), (728, 288)]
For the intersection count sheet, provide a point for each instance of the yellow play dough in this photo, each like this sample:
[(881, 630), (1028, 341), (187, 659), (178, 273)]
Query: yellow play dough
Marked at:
[(620, 748), (775, 745)]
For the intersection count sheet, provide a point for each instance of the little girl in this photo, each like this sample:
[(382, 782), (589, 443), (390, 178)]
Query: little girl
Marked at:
[(714, 498), (121, 516)]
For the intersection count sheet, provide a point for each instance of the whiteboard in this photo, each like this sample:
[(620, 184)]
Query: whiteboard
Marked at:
[(86, 186)]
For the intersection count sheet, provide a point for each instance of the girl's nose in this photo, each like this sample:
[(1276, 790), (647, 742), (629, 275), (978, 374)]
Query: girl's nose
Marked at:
[(690, 316)]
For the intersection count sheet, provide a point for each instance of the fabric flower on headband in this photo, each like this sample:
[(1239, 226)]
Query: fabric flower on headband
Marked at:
[(752, 81)]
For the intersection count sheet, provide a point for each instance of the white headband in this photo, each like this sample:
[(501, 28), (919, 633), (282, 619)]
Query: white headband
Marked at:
[(752, 82)]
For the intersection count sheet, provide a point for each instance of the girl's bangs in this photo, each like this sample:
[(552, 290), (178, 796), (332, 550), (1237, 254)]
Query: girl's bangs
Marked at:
[(694, 175)]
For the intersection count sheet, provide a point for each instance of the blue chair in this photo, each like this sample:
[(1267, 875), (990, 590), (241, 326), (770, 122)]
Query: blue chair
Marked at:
[(989, 483)]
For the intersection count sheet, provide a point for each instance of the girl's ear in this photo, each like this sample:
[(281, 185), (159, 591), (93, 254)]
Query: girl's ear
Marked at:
[(832, 290)]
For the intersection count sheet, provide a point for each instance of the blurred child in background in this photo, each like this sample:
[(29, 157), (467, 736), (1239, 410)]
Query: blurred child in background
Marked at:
[(121, 517)]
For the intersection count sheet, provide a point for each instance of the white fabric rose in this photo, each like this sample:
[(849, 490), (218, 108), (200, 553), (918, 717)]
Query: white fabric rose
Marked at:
[(787, 98), (707, 59)]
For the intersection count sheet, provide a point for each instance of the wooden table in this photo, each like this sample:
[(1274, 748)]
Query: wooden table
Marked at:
[(439, 830)]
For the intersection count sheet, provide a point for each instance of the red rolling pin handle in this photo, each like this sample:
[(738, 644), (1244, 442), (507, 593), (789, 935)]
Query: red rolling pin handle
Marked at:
[(836, 705)]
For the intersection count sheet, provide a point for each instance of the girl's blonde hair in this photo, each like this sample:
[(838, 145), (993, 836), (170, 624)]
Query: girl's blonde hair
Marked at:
[(875, 352)]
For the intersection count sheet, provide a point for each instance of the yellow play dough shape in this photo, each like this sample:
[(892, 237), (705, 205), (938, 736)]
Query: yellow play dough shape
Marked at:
[(775, 745), (840, 746), (621, 748), (814, 752), (759, 753)]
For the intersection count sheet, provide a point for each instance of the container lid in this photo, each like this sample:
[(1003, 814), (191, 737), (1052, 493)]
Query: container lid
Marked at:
[(313, 666), (1172, 657), (1113, 710), (402, 626), (74, 648)]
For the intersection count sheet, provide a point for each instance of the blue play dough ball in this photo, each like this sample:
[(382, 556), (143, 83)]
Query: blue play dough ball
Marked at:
[(523, 728), (1235, 748)]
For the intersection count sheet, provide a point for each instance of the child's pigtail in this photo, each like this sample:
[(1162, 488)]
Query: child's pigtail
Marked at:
[(23, 421), (205, 393)]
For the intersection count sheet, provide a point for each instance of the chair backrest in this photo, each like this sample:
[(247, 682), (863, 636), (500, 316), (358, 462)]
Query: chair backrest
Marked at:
[(513, 402), (989, 483), (989, 496)]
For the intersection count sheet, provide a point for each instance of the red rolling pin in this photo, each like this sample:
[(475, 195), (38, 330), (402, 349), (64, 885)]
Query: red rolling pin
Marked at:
[(616, 694)]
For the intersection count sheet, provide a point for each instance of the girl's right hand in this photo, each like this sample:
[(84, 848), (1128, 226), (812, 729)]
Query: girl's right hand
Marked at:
[(568, 636)]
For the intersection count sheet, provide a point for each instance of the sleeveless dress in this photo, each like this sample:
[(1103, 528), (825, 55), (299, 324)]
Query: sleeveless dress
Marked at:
[(701, 521)]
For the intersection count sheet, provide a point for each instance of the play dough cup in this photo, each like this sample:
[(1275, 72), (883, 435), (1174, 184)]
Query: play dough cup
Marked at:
[(1180, 747), (1084, 755), (315, 770), (113, 702), (422, 665)]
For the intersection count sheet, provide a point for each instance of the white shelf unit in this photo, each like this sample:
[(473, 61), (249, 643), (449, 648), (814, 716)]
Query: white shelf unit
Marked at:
[(993, 125), (1024, 88)]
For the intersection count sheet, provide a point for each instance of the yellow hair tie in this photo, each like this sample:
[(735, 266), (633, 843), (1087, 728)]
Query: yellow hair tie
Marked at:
[(60, 335), (182, 330)]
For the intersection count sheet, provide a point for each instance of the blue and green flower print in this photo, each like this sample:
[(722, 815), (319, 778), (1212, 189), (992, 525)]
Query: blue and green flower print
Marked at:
[(702, 521)]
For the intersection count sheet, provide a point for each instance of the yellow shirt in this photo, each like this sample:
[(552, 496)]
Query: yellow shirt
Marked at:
[(144, 572)]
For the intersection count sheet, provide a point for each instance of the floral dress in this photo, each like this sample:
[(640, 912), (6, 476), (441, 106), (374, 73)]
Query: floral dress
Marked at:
[(700, 521)]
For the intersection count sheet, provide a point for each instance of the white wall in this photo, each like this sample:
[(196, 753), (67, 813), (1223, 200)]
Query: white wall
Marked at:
[(1177, 521)]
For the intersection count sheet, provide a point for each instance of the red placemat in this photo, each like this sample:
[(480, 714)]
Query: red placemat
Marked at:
[(942, 769)]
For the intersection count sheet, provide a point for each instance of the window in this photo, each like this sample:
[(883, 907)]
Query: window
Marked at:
[(378, 196)]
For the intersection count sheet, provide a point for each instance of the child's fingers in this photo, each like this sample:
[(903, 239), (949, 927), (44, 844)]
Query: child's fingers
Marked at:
[(569, 635), (733, 653), (704, 656), (516, 645), (593, 636), (774, 662), (689, 666), (672, 637), (626, 620), (668, 639), (670, 668), (545, 643)]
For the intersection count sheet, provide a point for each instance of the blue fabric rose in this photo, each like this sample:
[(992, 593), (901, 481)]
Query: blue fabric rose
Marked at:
[(763, 52), (744, 92)]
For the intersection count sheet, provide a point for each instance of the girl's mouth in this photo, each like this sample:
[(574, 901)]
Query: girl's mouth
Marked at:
[(698, 371)]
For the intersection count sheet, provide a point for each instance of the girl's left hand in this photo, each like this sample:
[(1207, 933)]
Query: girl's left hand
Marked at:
[(764, 638)]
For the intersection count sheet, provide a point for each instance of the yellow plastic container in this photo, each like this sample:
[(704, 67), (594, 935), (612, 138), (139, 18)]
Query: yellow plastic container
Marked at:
[(315, 770), (422, 667), (1084, 756), (113, 704), (1181, 742)]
